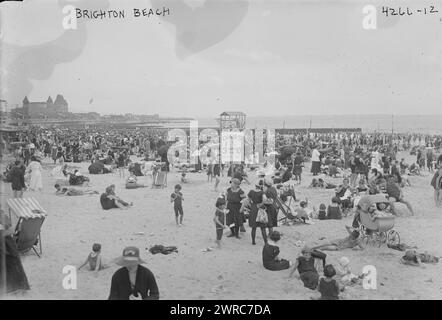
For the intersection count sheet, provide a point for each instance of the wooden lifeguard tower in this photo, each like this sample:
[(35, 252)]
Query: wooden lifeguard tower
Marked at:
[(232, 120)]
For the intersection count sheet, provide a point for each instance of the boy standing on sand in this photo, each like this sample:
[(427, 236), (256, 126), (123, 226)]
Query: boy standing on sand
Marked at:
[(177, 198), (220, 219)]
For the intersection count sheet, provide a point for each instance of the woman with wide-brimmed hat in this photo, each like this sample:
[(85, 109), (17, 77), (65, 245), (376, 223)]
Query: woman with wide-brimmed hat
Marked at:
[(234, 196), (133, 281)]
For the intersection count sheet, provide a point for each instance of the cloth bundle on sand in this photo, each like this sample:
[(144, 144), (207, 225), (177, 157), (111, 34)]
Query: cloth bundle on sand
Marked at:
[(158, 248)]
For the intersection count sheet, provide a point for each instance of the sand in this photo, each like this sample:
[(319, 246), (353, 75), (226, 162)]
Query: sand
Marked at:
[(233, 272)]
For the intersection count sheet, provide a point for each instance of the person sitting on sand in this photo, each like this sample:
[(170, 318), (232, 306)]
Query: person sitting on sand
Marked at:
[(362, 187), (94, 259), (344, 273), (322, 214), (270, 254), (184, 179), (307, 266), (65, 191), (334, 210), (110, 200), (350, 242), (132, 182), (343, 192), (413, 170), (328, 286), (301, 211), (395, 195)]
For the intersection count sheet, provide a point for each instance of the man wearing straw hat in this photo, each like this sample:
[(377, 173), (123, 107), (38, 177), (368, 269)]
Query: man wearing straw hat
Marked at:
[(133, 281)]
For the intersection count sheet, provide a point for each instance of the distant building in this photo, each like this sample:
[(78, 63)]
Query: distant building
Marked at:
[(4, 115), (46, 109), (232, 120)]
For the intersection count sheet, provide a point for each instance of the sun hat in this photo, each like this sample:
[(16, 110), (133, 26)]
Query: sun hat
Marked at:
[(130, 257), (235, 181)]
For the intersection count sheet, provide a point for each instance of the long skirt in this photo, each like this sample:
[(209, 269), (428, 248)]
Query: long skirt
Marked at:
[(316, 167), (36, 182), (15, 274)]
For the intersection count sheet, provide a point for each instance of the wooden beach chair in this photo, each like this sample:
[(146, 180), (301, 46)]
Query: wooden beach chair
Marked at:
[(30, 220), (27, 235), (286, 211)]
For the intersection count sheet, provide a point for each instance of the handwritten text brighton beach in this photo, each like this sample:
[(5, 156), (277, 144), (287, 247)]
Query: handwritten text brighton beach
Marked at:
[(121, 14)]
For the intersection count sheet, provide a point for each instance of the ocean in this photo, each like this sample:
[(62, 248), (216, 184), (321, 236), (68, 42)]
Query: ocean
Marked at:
[(431, 124)]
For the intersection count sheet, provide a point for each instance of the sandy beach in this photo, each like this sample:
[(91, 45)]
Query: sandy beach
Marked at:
[(73, 224)]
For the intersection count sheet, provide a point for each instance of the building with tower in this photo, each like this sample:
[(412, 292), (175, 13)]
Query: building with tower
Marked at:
[(47, 109)]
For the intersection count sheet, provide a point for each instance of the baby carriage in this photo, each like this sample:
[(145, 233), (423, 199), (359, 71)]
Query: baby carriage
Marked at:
[(376, 225)]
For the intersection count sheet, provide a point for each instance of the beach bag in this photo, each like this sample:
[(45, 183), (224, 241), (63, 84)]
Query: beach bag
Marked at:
[(262, 216)]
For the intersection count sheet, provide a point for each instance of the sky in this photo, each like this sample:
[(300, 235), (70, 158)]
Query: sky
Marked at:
[(265, 58)]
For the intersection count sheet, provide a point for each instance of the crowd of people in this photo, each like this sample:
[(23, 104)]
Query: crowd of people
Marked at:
[(366, 163)]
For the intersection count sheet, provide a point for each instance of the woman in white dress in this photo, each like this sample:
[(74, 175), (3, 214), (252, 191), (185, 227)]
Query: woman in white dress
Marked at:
[(34, 170)]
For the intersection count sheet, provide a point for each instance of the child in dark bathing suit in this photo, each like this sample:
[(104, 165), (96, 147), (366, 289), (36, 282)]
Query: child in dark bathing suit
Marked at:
[(94, 259)]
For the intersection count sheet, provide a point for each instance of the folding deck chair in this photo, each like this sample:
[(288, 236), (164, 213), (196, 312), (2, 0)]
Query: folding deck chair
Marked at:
[(287, 211), (27, 235), (30, 220)]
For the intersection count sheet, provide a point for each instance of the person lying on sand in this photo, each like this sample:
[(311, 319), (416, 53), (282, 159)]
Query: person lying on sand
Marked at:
[(94, 259), (68, 191), (413, 258), (351, 242)]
